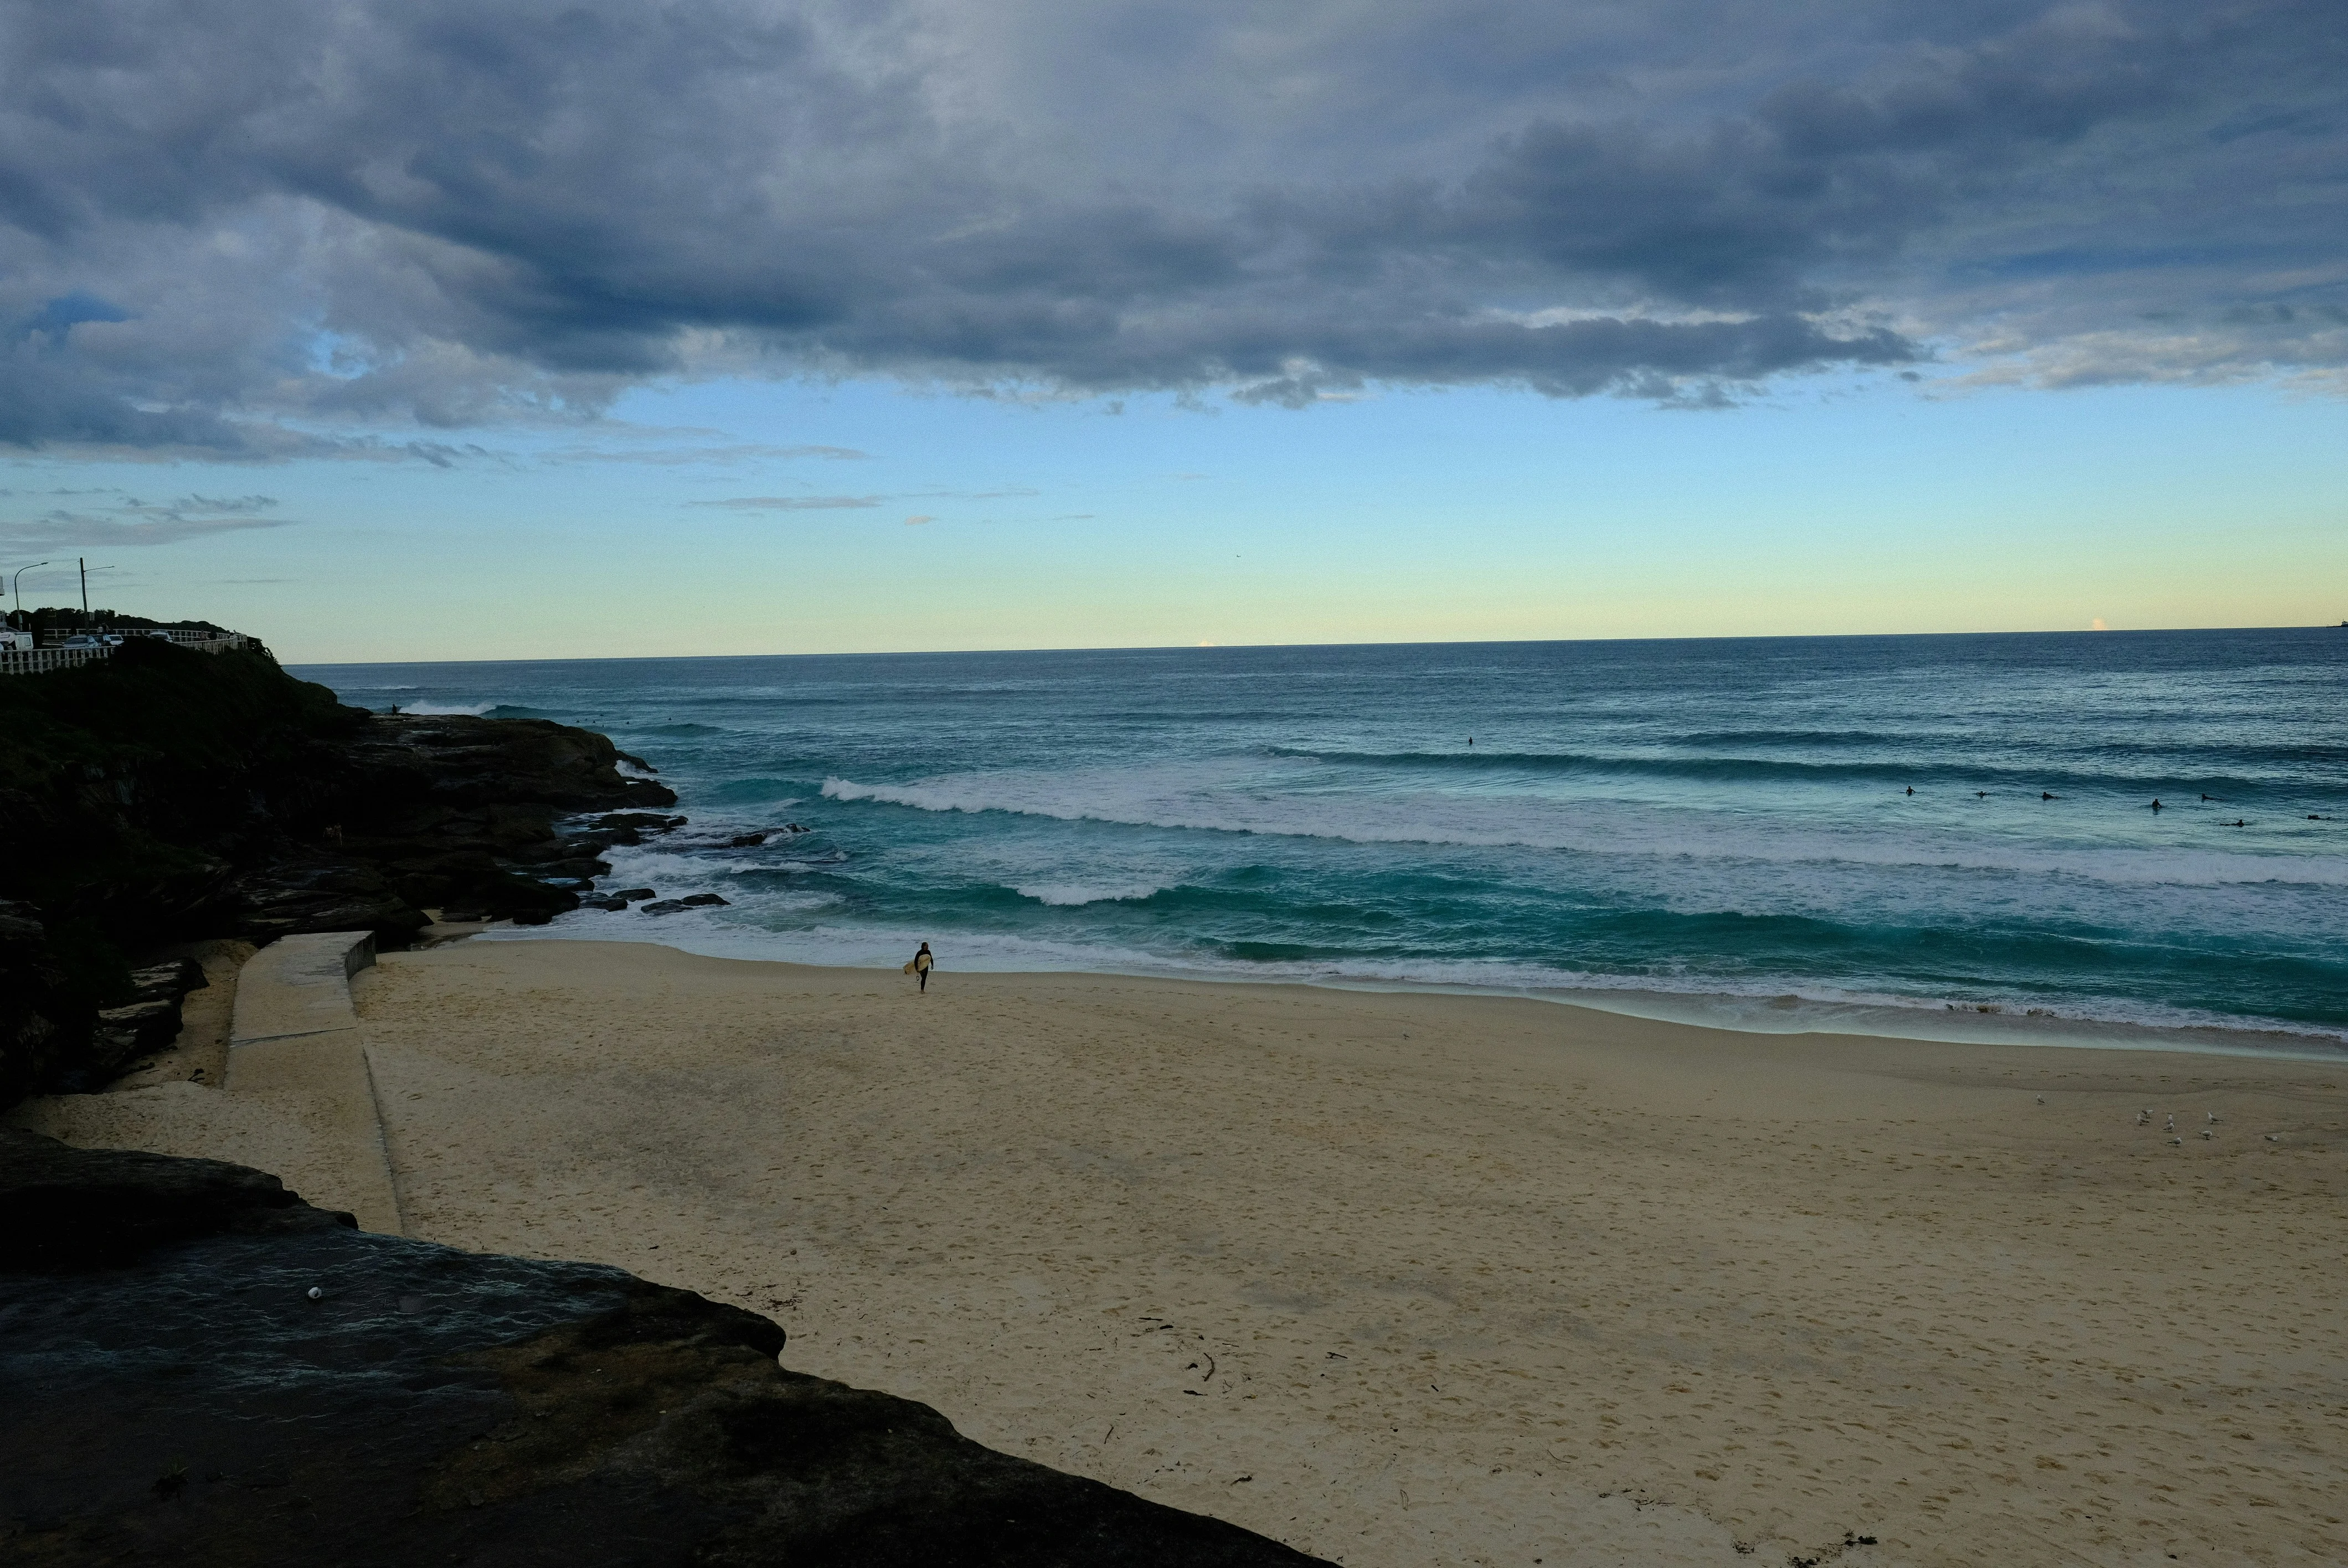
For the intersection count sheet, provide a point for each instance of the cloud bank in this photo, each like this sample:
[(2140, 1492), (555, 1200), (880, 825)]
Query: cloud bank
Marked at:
[(119, 520), (247, 228)]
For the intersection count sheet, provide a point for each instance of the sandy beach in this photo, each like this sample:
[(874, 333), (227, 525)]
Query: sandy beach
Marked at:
[(1417, 1279)]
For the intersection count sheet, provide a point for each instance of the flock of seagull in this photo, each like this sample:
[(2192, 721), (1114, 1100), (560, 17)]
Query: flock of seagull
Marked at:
[(2144, 1119), (2176, 1139)]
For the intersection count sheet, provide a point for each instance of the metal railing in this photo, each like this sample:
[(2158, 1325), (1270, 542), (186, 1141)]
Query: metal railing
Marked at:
[(41, 660)]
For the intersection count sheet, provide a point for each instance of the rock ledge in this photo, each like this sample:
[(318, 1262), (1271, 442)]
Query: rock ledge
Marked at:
[(175, 1395)]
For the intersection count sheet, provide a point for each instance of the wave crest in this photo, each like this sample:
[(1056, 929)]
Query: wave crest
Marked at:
[(1188, 800), (1069, 894), (1927, 773)]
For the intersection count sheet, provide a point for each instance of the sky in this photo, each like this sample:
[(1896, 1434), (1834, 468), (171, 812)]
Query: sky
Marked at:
[(417, 330)]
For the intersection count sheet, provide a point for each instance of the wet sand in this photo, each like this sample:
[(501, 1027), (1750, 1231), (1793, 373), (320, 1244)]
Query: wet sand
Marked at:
[(1413, 1279)]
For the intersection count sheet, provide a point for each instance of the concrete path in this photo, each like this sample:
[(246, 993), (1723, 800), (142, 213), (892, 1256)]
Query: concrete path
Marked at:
[(296, 1043), (300, 985)]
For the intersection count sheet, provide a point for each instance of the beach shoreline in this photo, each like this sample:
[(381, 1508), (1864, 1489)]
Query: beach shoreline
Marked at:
[(1733, 1012), (1417, 1278)]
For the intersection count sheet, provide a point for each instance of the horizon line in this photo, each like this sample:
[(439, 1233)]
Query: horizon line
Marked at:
[(1251, 646)]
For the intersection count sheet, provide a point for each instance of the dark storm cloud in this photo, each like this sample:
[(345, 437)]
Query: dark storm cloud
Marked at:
[(227, 227)]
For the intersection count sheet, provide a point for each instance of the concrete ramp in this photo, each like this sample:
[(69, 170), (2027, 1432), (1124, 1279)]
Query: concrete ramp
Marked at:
[(300, 985), (297, 1044)]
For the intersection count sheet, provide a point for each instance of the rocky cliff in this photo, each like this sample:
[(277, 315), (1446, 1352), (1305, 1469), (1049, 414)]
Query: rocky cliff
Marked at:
[(166, 795), (200, 1370)]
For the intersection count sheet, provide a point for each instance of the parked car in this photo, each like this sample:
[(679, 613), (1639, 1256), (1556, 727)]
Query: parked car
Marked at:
[(11, 639)]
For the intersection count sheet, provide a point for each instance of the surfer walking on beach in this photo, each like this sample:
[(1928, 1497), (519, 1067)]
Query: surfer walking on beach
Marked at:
[(922, 964)]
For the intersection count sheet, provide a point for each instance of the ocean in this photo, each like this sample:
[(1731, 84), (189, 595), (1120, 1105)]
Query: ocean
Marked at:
[(1939, 836)]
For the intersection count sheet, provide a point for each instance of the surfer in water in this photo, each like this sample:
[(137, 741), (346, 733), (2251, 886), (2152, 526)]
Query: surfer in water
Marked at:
[(921, 965)]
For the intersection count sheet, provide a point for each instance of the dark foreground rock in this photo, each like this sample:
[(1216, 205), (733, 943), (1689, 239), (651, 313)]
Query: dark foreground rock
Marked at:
[(174, 1396)]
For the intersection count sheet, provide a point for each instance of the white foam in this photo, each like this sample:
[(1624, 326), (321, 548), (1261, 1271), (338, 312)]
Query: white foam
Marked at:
[(446, 710), (1206, 797), (1071, 894)]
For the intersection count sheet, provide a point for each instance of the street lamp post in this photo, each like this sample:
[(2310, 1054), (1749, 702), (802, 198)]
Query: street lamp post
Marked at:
[(85, 570), (15, 590)]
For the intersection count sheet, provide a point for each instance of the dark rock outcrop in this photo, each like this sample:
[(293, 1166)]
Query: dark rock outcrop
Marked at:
[(318, 893), (462, 761), (175, 1395), (135, 788), (44, 1025), (146, 1022), (164, 796), (54, 1034), (639, 821), (455, 810)]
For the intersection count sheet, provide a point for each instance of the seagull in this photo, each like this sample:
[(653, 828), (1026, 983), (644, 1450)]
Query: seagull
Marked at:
[(2213, 1118), (2171, 1127), (2207, 1133), (2041, 1100), (2274, 1137), (2144, 1117), (2176, 1142)]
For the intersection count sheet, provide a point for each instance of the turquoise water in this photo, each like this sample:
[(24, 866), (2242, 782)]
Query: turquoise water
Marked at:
[(1705, 821)]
